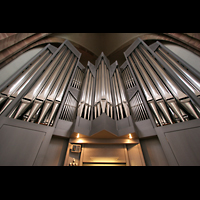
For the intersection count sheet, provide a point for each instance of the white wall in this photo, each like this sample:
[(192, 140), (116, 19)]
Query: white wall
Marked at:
[(186, 55), (17, 63)]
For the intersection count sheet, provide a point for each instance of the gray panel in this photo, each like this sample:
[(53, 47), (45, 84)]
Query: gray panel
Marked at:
[(145, 128), (153, 152), (185, 145), (19, 146)]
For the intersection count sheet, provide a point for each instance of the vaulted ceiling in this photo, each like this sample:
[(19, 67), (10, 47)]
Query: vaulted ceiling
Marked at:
[(90, 44)]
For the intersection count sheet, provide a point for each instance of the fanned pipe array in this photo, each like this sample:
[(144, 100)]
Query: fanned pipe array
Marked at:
[(121, 104), (103, 100), (46, 94), (84, 108), (14, 89), (168, 103)]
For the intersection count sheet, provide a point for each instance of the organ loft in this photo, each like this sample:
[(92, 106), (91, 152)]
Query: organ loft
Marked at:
[(101, 113)]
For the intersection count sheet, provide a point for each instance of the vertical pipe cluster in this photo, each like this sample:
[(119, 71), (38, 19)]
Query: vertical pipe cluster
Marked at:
[(121, 104), (41, 103), (14, 89), (84, 108), (103, 99), (77, 79), (69, 109), (168, 103), (128, 78), (138, 108)]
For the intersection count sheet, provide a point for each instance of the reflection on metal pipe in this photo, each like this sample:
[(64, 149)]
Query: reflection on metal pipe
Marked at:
[(19, 84), (47, 87), (31, 95), (147, 94), (191, 78), (84, 109)]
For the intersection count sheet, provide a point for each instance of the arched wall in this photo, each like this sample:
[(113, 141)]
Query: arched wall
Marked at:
[(90, 44)]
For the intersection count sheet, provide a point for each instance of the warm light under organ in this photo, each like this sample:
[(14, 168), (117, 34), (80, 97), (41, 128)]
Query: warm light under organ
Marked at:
[(55, 86)]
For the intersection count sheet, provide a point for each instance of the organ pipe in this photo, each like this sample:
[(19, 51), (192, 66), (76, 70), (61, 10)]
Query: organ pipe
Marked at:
[(19, 84), (179, 95)]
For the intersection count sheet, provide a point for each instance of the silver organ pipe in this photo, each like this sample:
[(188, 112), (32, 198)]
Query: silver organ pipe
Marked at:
[(69, 109), (147, 94), (41, 103), (167, 101), (138, 109), (192, 80), (178, 94), (121, 103), (84, 108), (102, 99), (13, 90), (31, 95), (62, 90), (41, 97), (162, 89), (156, 95)]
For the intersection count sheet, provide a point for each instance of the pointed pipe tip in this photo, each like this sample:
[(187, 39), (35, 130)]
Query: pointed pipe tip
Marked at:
[(8, 102), (34, 109), (45, 109), (23, 106), (165, 111)]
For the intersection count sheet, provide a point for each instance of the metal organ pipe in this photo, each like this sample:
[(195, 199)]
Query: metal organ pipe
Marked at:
[(162, 89), (62, 90), (86, 97), (47, 87), (184, 72), (31, 95), (19, 84), (147, 94), (54, 90), (46, 94), (153, 90), (179, 95), (166, 59)]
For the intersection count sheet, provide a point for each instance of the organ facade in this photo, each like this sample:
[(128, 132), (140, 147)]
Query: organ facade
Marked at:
[(104, 110)]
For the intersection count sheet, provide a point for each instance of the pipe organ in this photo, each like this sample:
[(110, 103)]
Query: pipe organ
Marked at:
[(168, 102), (55, 93), (105, 89)]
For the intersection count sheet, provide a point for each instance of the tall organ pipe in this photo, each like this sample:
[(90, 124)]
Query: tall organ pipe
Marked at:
[(52, 95), (47, 87), (121, 88), (179, 95), (31, 95), (164, 57), (83, 95), (62, 90), (147, 94), (13, 90), (153, 90), (161, 87), (186, 73)]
